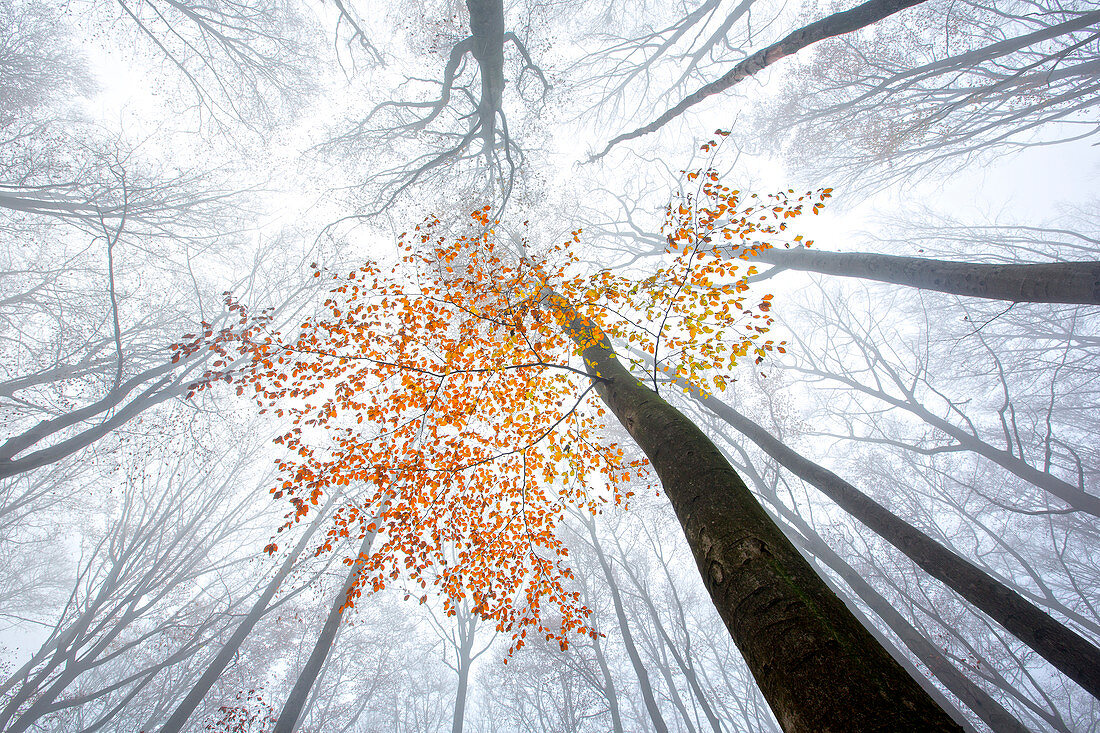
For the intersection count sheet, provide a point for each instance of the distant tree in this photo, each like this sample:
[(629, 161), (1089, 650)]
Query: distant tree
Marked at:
[(989, 272), (136, 608), (953, 83), (636, 44), (463, 119), (460, 639), (294, 706), (837, 24), (232, 646), (1067, 650), (907, 386)]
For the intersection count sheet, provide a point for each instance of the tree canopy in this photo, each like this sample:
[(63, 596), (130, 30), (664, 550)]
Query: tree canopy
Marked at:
[(715, 365)]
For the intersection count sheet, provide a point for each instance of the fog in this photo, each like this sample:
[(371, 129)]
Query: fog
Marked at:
[(549, 366)]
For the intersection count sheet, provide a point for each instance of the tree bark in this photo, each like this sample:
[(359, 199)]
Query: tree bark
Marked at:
[(974, 697), (1071, 653), (487, 36), (1047, 282), (819, 669), (463, 660)]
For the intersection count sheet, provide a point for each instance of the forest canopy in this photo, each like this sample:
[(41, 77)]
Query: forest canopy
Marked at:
[(484, 365)]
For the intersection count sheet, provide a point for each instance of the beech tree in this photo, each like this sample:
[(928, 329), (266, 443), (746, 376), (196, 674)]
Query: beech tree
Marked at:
[(1062, 279), (836, 24), (984, 705), (952, 84), (1061, 646), (405, 352), (136, 589), (446, 415)]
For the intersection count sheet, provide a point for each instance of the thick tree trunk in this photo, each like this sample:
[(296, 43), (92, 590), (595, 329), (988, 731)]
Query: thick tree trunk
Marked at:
[(232, 645), (1047, 282), (806, 537), (1075, 656), (487, 35), (296, 701), (819, 669)]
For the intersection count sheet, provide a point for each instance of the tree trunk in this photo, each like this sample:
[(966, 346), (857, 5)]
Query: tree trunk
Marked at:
[(1047, 282), (644, 686), (463, 660), (1075, 656), (978, 700), (819, 669), (296, 701), (187, 706), (460, 701), (608, 687), (487, 34)]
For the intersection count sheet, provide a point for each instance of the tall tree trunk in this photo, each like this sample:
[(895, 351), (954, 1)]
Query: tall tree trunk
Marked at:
[(187, 706), (487, 35), (1075, 656), (296, 701), (467, 624), (819, 669), (1047, 282), (608, 687), (628, 639), (978, 700), (670, 682), (685, 668)]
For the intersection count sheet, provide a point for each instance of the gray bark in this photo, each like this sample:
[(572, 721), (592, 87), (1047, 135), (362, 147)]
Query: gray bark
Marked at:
[(1075, 656), (628, 639), (232, 645), (296, 701), (1047, 282), (819, 669), (608, 687), (836, 24)]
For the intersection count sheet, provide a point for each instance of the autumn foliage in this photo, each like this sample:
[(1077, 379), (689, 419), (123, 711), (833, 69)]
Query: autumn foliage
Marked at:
[(446, 407)]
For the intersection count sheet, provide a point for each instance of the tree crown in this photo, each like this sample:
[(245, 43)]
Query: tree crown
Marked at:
[(443, 398)]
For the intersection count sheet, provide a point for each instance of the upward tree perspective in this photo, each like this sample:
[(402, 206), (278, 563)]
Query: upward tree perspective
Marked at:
[(459, 365), (493, 365)]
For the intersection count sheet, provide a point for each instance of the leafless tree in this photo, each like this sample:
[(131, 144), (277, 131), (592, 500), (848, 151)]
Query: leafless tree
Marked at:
[(141, 601), (837, 24), (951, 83), (462, 119)]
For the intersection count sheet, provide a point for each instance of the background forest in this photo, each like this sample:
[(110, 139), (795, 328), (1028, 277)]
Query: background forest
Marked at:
[(178, 177)]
